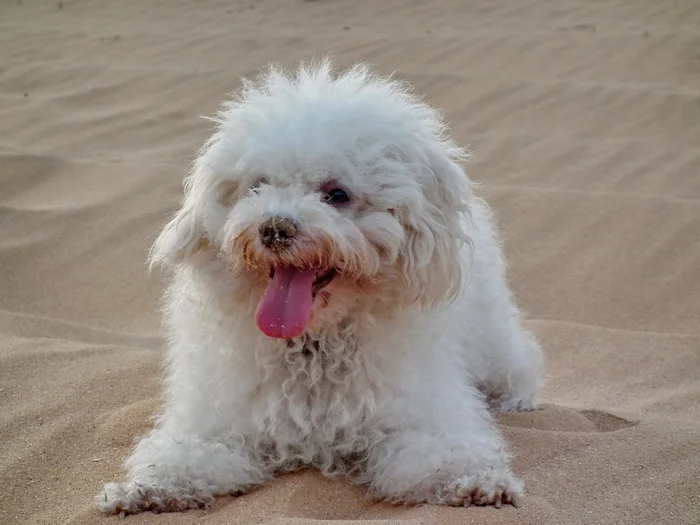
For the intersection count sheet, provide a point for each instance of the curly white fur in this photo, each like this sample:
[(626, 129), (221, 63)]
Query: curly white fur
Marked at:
[(391, 382)]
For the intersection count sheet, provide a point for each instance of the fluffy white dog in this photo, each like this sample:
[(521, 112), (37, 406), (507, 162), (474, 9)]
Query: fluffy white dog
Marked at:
[(339, 301)]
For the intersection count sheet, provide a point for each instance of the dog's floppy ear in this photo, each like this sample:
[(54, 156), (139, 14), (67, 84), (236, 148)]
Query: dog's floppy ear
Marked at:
[(435, 233), (186, 235), (181, 238)]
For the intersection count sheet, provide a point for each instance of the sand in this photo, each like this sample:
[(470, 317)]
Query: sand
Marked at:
[(585, 120)]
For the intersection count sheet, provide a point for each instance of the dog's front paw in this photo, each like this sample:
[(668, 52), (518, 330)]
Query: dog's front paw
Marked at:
[(132, 498), (481, 489)]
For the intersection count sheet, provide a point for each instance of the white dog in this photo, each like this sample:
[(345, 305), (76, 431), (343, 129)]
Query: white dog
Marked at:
[(339, 301)]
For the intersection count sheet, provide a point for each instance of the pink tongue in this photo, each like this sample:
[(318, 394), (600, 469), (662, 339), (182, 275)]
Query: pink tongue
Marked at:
[(285, 308)]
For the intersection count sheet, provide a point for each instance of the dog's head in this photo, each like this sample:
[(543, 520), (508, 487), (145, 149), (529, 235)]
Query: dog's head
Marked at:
[(321, 190)]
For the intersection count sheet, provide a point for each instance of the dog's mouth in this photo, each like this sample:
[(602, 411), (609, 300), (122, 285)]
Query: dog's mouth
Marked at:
[(285, 307), (322, 280)]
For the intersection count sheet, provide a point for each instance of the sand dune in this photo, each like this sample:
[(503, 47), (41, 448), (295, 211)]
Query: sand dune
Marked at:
[(585, 122)]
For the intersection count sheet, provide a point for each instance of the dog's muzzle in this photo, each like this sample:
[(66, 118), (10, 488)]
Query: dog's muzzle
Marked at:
[(277, 233)]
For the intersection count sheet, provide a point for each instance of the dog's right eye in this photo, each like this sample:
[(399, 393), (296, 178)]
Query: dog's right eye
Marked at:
[(337, 196), (257, 183)]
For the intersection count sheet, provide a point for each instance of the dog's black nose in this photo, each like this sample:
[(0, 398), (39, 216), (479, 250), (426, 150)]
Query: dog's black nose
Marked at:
[(277, 232)]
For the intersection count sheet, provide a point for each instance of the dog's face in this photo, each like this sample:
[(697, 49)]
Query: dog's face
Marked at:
[(321, 193)]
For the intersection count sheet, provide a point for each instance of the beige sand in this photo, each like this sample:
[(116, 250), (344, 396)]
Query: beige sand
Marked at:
[(585, 120)]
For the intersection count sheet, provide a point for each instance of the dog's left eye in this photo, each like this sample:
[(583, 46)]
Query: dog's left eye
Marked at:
[(257, 183), (337, 196)]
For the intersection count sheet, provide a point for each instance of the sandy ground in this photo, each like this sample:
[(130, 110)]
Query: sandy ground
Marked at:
[(585, 120)]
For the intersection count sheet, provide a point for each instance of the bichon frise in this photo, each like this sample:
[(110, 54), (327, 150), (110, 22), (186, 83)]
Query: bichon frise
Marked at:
[(339, 301)]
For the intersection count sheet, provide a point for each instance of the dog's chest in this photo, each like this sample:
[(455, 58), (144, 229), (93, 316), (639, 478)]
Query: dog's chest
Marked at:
[(315, 371), (322, 398)]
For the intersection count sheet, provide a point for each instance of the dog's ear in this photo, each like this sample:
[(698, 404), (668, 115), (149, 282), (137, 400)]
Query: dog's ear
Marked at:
[(186, 235), (434, 228), (180, 239)]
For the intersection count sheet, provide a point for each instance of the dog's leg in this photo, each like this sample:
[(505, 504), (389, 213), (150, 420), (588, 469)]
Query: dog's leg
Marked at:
[(503, 358), (169, 472), (443, 449), (514, 375), (200, 447)]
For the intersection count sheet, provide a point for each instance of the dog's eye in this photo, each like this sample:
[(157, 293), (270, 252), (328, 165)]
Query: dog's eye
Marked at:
[(257, 183), (337, 196)]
